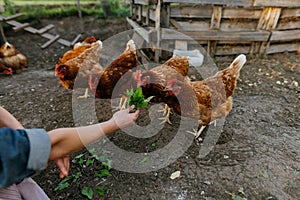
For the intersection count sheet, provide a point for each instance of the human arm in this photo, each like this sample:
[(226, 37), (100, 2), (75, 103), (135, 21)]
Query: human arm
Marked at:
[(17, 158), (67, 140), (8, 120)]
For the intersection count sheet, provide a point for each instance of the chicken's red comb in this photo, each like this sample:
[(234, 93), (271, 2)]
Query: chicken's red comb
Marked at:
[(172, 81), (56, 68), (9, 71)]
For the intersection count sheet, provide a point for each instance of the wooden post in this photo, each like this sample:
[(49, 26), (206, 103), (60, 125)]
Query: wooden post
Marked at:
[(147, 15), (139, 13), (271, 23), (158, 30), (3, 38), (79, 9), (268, 21), (214, 24)]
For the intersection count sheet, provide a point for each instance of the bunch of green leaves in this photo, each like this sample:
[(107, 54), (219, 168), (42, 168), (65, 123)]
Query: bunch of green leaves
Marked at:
[(136, 98)]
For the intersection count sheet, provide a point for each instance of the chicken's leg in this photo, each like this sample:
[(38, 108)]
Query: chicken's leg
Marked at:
[(86, 94), (197, 133), (166, 113), (122, 104)]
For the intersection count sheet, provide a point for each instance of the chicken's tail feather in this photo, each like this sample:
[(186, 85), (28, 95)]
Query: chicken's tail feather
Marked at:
[(130, 46), (238, 63)]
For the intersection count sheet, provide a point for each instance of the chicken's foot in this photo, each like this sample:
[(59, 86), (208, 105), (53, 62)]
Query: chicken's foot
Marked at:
[(214, 122), (122, 104), (166, 113), (197, 133), (86, 94)]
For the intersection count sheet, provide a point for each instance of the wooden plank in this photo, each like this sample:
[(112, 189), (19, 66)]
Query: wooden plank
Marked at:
[(277, 3), (165, 15), (191, 11), (232, 50), (76, 39), (241, 13), (278, 48), (216, 17), (214, 24), (145, 13), (51, 41), (216, 35), (141, 2), (204, 11), (152, 14), (45, 29), (143, 32), (139, 13), (158, 31), (64, 42), (244, 3), (285, 35), (12, 17), (145, 2), (176, 24), (288, 25), (290, 12), (31, 30), (226, 25), (181, 44), (21, 27), (269, 18), (270, 23)]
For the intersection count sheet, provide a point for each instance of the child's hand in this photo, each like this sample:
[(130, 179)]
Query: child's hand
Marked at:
[(124, 118), (64, 165)]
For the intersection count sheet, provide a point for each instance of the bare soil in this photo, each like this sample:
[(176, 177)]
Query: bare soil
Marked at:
[(257, 155)]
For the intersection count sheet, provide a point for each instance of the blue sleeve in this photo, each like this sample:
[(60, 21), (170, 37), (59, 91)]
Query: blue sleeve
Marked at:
[(21, 154)]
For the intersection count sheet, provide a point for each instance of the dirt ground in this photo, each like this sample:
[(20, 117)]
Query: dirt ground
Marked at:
[(257, 155)]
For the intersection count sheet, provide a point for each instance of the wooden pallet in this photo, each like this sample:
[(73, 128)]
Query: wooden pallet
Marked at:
[(223, 27), (17, 26)]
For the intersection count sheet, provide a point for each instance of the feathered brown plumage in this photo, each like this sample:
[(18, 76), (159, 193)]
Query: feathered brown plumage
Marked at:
[(154, 81), (118, 76), (79, 67), (12, 59), (209, 99)]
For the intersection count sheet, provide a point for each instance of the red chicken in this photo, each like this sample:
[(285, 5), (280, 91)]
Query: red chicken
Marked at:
[(209, 99), (12, 59), (117, 77), (154, 81), (80, 67)]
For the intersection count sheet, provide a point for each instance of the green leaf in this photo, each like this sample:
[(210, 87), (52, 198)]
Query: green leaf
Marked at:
[(63, 184), (77, 176), (100, 190), (137, 99), (266, 175), (153, 144), (79, 156), (89, 162), (88, 192), (103, 173), (145, 159)]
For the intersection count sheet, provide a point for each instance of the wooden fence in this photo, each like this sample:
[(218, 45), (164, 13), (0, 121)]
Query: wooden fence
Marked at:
[(223, 27)]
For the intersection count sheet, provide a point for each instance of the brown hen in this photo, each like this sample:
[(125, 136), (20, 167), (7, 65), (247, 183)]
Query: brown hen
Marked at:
[(117, 77), (80, 67), (154, 81), (12, 59), (209, 99)]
